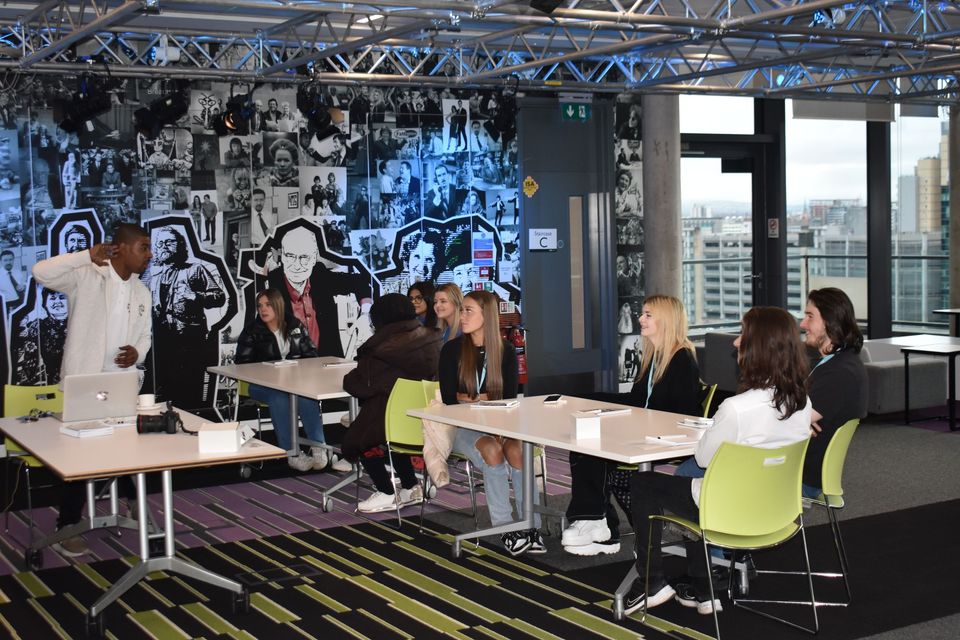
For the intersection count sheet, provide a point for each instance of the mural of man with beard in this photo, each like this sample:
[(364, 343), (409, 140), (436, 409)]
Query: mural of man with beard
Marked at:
[(182, 288)]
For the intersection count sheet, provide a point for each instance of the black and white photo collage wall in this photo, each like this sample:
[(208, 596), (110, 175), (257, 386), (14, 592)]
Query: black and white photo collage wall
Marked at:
[(628, 206), (410, 185)]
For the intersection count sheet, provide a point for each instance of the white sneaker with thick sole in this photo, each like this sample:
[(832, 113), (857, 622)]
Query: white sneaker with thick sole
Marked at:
[(301, 462), (378, 502), (581, 532), (411, 496), (320, 458), (342, 465), (594, 548)]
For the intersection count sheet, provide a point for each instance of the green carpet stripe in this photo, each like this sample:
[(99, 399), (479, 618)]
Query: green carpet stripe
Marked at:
[(33, 585), (448, 564), (6, 626), (303, 543), (217, 552), (671, 628), (514, 594), (345, 627), (93, 576), (266, 543), (491, 633), (494, 567), (156, 594), (606, 628), (157, 625), (214, 621), (443, 591), (76, 603), (319, 596), (51, 620), (468, 605), (4, 598), (410, 607), (271, 609), (536, 632), (356, 567), (393, 533), (326, 567), (517, 562), (183, 585), (385, 624), (249, 549), (582, 585)]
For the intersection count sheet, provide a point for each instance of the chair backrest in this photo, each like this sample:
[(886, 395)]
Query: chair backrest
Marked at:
[(243, 389), (835, 457), (430, 388), (750, 491), (401, 428), (706, 392), (19, 400)]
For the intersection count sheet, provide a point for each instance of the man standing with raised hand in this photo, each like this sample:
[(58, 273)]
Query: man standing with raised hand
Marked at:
[(109, 326)]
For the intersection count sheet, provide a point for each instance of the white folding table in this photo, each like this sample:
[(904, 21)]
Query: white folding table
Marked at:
[(125, 452), (316, 378)]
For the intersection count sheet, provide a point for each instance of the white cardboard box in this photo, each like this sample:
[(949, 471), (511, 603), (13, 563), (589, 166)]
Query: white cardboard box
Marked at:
[(586, 427), (222, 437)]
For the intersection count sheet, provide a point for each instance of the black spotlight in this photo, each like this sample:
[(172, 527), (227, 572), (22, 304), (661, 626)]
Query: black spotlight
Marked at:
[(161, 112), (235, 120), (315, 105), (89, 101), (546, 6)]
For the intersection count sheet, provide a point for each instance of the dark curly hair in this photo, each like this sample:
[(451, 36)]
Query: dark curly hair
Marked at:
[(393, 307), (772, 355), (839, 318)]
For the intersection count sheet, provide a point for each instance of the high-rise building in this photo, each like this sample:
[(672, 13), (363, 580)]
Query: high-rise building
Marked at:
[(928, 195), (907, 191)]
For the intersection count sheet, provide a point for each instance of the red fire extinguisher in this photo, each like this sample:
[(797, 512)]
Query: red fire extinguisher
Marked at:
[(521, 345)]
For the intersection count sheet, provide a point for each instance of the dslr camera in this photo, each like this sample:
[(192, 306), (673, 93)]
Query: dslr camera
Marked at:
[(167, 422)]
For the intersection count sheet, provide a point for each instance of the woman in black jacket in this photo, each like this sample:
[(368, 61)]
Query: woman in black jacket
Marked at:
[(668, 380), (400, 347), (274, 335)]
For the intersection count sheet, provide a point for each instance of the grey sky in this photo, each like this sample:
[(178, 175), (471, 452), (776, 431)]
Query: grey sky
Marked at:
[(825, 158)]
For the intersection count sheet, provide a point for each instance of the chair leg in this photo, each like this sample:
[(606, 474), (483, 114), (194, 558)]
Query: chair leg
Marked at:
[(7, 498), (426, 496), (30, 524), (473, 493), (713, 596), (396, 491), (841, 552)]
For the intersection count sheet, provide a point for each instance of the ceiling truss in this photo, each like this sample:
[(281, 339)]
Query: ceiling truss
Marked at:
[(885, 50)]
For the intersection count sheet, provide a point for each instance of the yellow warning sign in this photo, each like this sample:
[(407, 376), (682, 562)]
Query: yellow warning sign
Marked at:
[(530, 186)]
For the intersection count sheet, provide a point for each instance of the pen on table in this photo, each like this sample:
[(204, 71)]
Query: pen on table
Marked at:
[(680, 437)]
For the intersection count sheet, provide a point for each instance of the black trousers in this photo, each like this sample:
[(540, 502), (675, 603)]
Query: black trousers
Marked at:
[(73, 495), (653, 494), (590, 491), (376, 468)]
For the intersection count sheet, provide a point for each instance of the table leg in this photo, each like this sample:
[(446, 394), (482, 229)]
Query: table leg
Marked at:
[(294, 427), (906, 388), (952, 394), (167, 562), (526, 522)]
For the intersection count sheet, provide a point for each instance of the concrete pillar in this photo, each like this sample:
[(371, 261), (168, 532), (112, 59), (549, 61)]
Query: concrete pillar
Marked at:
[(953, 146), (661, 195)]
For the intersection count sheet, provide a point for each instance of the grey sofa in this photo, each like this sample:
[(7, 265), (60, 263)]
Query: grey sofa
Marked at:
[(885, 375)]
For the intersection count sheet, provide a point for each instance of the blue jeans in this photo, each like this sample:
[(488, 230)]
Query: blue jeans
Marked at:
[(496, 479), (279, 403)]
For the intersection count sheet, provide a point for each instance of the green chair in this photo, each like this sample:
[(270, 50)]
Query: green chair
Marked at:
[(19, 401), (831, 499), (749, 500), (707, 392)]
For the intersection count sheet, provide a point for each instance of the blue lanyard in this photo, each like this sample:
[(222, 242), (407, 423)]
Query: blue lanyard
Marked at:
[(653, 364), (822, 360)]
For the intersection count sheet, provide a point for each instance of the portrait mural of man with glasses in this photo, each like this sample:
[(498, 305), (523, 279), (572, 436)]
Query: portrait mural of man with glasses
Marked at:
[(321, 290)]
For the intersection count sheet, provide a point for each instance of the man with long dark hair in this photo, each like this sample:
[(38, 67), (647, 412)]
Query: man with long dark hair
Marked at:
[(838, 380)]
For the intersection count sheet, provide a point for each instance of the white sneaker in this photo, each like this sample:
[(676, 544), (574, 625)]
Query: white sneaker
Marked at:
[(581, 532), (379, 501), (411, 496), (593, 549), (342, 465), (300, 462), (320, 458)]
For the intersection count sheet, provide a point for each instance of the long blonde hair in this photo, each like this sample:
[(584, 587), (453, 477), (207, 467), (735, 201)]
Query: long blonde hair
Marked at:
[(456, 299), (671, 321), (493, 346)]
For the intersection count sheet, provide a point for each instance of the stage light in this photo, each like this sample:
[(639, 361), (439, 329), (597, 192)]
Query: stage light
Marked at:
[(316, 109), (161, 112), (235, 120), (89, 101)]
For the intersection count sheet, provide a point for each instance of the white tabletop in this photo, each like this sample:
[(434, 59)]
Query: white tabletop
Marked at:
[(623, 437), (317, 378), (125, 451), (916, 340)]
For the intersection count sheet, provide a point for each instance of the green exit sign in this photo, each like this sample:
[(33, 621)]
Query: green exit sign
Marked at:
[(578, 111)]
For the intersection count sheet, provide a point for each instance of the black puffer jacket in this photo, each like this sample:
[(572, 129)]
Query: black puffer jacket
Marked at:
[(403, 349), (258, 344)]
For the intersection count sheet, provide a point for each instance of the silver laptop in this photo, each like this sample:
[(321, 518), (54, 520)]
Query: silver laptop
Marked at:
[(100, 395)]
